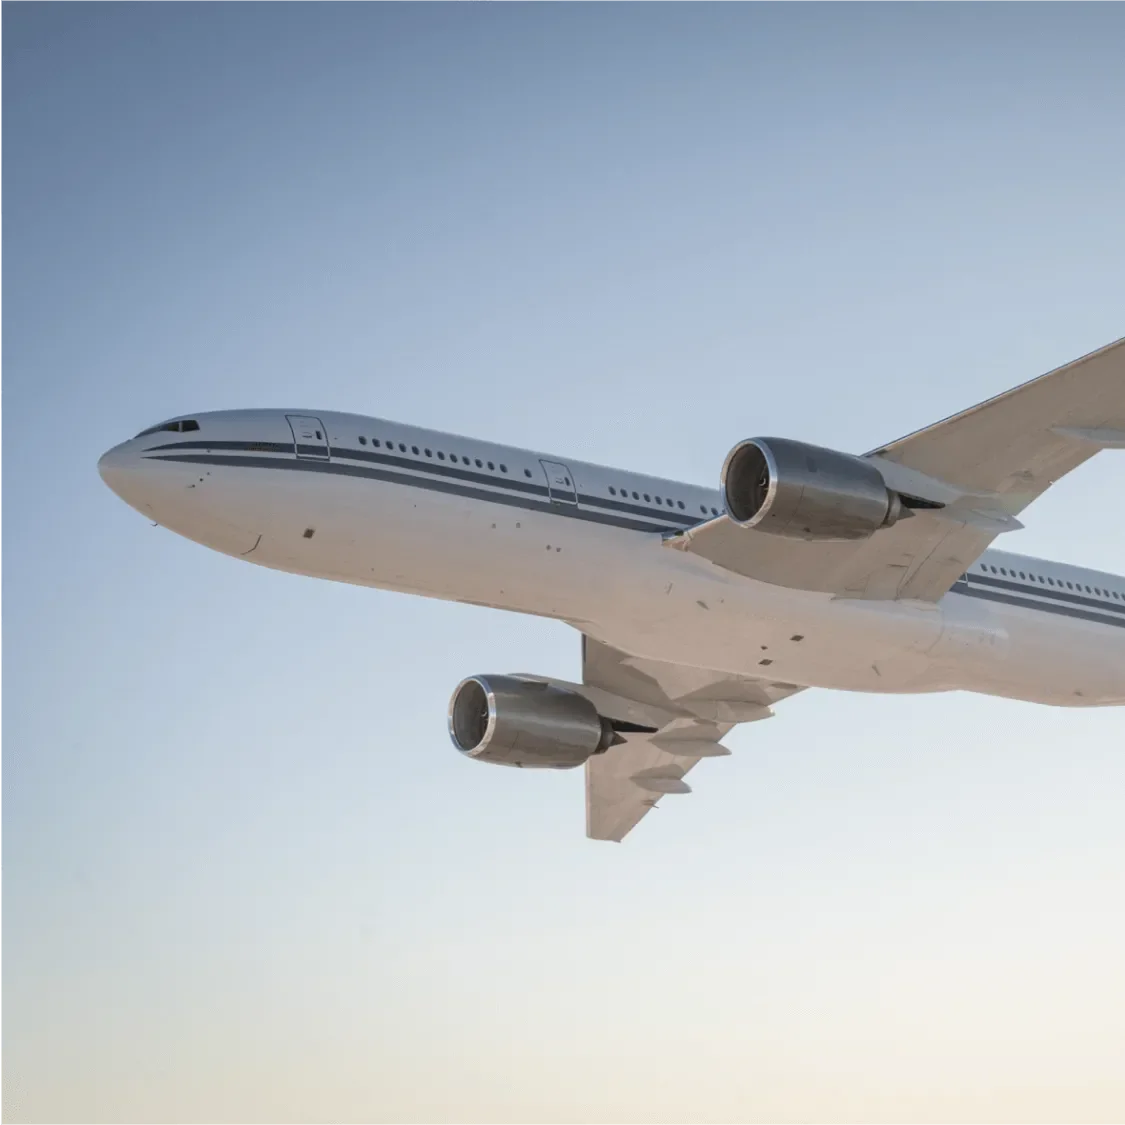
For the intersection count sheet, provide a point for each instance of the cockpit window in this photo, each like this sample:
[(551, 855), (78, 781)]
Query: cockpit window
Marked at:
[(184, 426)]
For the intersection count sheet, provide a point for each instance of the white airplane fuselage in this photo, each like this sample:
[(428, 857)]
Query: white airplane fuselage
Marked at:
[(376, 503)]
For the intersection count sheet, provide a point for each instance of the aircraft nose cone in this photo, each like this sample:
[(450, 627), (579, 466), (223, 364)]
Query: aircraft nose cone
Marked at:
[(116, 466)]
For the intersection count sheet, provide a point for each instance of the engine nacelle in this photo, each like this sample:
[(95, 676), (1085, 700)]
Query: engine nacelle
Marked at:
[(515, 722), (801, 491)]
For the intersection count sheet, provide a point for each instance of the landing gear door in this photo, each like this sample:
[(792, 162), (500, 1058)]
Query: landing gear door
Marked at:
[(310, 438), (560, 483)]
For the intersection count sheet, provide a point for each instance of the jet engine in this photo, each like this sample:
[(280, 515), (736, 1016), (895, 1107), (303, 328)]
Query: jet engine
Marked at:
[(801, 491), (515, 722)]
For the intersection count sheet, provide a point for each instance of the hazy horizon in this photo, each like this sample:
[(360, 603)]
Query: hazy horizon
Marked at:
[(246, 877)]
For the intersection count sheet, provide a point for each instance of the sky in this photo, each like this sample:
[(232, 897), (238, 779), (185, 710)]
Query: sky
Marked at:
[(246, 876)]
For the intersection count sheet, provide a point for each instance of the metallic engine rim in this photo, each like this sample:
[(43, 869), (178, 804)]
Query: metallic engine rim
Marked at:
[(489, 730), (771, 492)]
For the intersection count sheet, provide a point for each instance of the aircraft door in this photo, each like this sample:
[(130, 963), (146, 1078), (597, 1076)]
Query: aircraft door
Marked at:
[(560, 483), (310, 438)]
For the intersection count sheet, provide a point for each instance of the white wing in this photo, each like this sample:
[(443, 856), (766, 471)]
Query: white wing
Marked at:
[(986, 464), (697, 708)]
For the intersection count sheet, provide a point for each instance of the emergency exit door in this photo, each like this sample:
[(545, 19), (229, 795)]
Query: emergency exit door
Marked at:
[(310, 438), (560, 483)]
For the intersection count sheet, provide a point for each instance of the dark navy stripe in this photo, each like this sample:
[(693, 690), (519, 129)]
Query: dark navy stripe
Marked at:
[(1063, 595), (514, 483), (372, 458), (1042, 591), (1044, 607), (571, 511), (682, 518), (441, 470), (249, 446), (678, 519)]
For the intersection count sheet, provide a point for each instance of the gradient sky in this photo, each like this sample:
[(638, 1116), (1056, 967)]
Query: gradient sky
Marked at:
[(246, 875)]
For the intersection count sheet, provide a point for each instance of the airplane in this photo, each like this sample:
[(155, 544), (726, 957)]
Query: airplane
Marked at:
[(698, 610)]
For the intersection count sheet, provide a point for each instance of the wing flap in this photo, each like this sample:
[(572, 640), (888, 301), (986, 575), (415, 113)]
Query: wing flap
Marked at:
[(627, 781), (619, 790)]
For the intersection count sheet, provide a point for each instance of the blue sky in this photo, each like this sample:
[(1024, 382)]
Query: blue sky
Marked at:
[(246, 876)]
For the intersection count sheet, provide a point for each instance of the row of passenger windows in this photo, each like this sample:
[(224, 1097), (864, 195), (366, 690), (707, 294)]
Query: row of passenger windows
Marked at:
[(662, 500), (1028, 577), (441, 455), (455, 458), (648, 499)]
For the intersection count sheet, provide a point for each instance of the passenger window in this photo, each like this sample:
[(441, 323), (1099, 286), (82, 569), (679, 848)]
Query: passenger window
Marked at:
[(363, 441)]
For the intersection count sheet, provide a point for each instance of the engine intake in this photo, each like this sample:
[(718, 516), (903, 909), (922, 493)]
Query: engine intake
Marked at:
[(802, 491), (514, 722)]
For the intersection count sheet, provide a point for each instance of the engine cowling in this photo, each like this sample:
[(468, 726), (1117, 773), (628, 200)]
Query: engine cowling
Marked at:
[(802, 491), (514, 722)]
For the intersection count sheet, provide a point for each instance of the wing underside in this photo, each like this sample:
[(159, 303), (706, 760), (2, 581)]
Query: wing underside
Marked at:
[(697, 708)]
